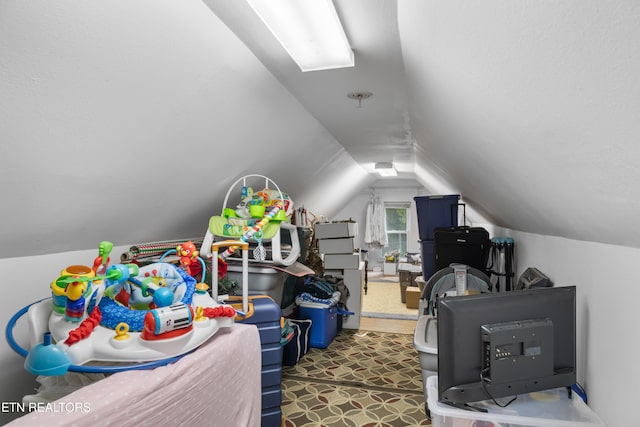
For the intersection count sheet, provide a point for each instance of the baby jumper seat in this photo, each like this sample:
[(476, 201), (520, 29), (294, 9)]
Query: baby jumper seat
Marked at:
[(258, 219), (262, 219)]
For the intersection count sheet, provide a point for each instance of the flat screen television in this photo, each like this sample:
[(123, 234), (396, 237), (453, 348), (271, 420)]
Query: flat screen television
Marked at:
[(496, 345)]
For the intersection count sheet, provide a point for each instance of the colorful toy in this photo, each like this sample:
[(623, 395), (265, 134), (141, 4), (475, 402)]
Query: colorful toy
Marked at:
[(142, 316), (59, 287), (189, 256), (167, 322), (258, 217), (102, 260), (253, 230), (259, 253), (74, 309)]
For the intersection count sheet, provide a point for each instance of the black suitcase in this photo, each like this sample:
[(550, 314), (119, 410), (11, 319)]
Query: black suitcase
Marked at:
[(461, 245)]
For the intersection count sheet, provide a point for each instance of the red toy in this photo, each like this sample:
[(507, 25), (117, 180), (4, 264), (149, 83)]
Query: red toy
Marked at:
[(188, 255)]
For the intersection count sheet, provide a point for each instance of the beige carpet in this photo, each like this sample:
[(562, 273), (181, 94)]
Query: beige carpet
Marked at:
[(383, 300)]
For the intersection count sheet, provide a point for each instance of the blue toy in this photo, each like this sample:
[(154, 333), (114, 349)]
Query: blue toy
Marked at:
[(108, 318)]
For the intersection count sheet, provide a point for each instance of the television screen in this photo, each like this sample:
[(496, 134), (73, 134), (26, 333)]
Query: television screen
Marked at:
[(496, 345)]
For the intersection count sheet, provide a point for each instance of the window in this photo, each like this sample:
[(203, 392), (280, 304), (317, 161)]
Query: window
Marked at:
[(397, 227)]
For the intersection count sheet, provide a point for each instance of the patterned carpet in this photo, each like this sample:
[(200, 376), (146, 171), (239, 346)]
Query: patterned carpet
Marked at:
[(362, 379)]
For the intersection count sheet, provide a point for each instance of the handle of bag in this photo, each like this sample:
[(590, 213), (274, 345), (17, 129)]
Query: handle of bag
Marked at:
[(343, 312), (245, 269), (464, 213), (235, 301)]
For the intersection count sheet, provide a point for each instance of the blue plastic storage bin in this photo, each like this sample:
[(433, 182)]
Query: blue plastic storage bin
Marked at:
[(434, 212), (428, 259), (324, 324)]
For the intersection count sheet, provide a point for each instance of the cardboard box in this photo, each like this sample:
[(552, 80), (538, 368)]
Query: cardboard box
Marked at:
[(341, 261), (336, 246), (409, 267), (413, 296), (335, 230)]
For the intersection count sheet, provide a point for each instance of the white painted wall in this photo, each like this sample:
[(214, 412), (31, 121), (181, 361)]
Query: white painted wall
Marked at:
[(356, 209), (529, 108), (143, 113), (608, 292)]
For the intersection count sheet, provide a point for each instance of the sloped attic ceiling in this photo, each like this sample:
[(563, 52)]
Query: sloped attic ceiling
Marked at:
[(129, 121), (532, 109), (528, 109)]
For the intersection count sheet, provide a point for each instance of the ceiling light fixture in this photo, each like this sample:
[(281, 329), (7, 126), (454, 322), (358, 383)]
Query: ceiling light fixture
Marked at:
[(359, 96), (386, 169), (310, 32)]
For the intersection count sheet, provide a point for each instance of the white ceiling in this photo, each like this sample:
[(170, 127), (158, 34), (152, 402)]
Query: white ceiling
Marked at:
[(529, 109), (379, 130), (128, 121)]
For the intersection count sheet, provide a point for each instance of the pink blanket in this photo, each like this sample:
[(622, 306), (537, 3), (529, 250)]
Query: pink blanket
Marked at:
[(217, 385)]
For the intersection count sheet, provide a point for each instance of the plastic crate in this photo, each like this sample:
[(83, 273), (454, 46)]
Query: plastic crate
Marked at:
[(551, 408)]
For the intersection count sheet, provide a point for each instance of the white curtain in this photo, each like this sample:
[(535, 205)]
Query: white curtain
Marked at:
[(375, 234)]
